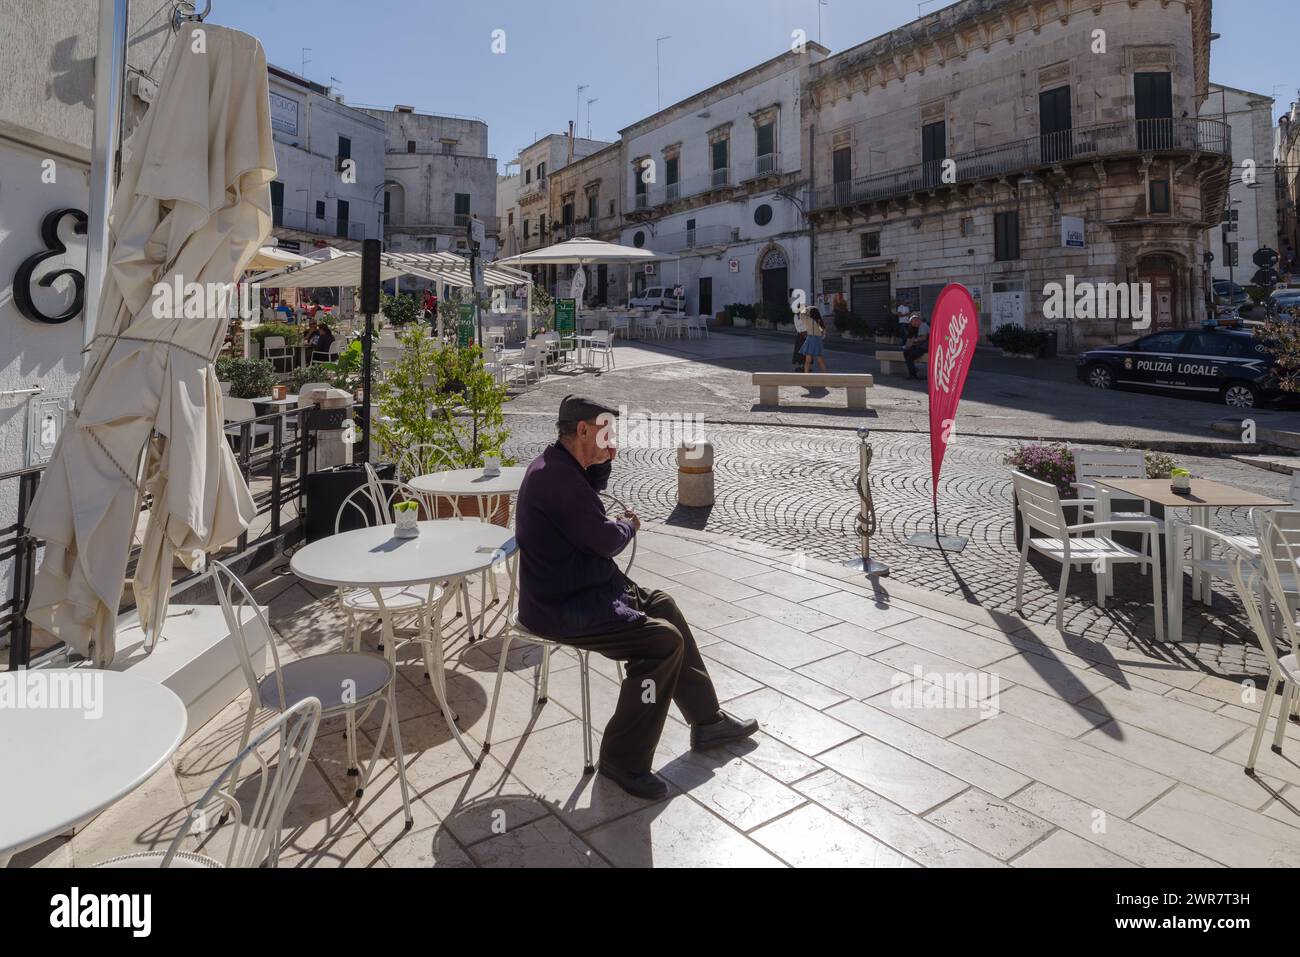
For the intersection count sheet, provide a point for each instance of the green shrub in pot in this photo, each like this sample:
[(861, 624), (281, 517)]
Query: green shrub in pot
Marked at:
[(248, 378)]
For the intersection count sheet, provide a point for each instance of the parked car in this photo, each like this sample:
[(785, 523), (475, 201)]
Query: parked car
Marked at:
[(1283, 299), (658, 297), (1228, 293), (1229, 364)]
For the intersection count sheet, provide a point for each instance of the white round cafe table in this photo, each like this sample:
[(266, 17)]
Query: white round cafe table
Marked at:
[(470, 482), (63, 765), (374, 558)]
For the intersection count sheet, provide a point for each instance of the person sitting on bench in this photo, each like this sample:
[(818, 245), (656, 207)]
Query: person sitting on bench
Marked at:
[(918, 346), (572, 592)]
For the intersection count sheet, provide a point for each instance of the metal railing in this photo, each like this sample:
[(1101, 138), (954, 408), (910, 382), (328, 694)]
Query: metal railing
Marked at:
[(1021, 156), (445, 221), (286, 449), (287, 218), (769, 164), (717, 235)]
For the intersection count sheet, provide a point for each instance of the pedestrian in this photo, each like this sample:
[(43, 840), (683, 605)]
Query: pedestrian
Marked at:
[(919, 345), (904, 317), (812, 346), (800, 337)]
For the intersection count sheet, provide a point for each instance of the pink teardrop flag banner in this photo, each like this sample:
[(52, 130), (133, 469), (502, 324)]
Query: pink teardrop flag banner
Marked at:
[(954, 333)]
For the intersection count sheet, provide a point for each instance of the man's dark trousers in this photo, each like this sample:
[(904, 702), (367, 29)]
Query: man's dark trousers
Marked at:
[(912, 353), (659, 650)]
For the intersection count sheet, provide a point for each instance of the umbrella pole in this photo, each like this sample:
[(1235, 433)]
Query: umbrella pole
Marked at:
[(365, 387)]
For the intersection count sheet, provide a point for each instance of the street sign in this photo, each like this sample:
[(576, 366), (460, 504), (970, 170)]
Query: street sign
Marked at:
[(1072, 232), (733, 265), (465, 325), (1267, 278), (1265, 258), (477, 231)]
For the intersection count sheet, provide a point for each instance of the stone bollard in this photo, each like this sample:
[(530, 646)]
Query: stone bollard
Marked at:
[(327, 423), (695, 474)]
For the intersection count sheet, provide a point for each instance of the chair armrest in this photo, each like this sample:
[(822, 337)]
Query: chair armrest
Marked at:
[(1129, 526), (1221, 539), (1078, 501)]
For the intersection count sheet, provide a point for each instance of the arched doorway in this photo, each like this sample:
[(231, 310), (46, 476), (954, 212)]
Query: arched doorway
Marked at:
[(1161, 271), (774, 282)]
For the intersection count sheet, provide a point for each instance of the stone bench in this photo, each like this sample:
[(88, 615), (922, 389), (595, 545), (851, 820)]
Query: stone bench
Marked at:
[(891, 363), (855, 384)]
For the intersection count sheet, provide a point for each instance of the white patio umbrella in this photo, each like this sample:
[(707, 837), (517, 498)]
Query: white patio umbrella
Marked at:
[(194, 202), (582, 251)]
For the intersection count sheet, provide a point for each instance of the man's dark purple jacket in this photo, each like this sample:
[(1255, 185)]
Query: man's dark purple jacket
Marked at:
[(569, 584)]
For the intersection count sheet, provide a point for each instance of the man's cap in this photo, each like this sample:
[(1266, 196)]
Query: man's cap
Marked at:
[(579, 408)]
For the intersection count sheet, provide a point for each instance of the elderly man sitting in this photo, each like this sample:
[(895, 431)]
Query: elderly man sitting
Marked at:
[(571, 591)]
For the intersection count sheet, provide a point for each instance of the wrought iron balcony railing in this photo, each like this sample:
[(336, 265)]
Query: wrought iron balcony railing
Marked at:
[(1068, 146)]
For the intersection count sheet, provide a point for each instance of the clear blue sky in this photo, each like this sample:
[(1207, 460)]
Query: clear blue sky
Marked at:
[(436, 54)]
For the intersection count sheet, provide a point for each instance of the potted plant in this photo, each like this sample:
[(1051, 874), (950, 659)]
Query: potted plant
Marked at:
[(400, 310), (1017, 342), (407, 517), (1048, 462), (292, 335), (441, 394), (248, 378)]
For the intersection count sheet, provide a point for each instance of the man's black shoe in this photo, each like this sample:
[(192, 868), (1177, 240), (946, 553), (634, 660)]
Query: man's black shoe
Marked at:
[(727, 728), (642, 784)]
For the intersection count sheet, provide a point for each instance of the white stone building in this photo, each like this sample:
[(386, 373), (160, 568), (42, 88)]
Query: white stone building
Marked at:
[(714, 181), (1250, 216), (330, 158), (1011, 145), (438, 174)]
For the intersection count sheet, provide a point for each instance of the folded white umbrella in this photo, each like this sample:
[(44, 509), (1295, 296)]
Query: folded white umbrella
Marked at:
[(194, 204)]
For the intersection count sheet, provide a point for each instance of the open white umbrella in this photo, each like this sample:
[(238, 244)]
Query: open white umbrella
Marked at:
[(194, 203)]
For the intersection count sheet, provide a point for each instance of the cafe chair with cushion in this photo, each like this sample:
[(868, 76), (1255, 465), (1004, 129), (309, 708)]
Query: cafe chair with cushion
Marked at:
[(514, 631), (342, 681), (253, 839), (1270, 579), (1042, 510)]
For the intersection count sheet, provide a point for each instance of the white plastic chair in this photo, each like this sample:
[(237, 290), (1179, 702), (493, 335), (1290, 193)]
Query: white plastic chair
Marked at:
[(237, 411), (516, 632), (1092, 465), (1041, 509), (253, 840), (277, 350), (620, 325), (602, 344), (342, 681), (1262, 582), (530, 362)]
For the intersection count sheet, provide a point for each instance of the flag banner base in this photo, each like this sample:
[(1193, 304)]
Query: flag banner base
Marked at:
[(870, 567), (943, 543)]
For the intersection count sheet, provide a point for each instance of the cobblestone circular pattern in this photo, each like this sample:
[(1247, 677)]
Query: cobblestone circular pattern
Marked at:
[(795, 488)]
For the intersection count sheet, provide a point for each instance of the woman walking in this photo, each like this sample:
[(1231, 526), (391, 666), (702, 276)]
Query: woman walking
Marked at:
[(812, 346)]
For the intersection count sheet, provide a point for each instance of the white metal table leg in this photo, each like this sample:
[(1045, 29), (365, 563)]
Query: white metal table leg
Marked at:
[(1174, 546)]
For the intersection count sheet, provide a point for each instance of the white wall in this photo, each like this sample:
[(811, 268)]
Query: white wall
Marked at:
[(1251, 118)]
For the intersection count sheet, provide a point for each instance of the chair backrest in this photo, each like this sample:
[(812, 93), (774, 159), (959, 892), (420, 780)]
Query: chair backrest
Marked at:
[(254, 837), (225, 387), (1279, 551), (422, 459), (1107, 464), (615, 508), (237, 410), (233, 596), (1040, 506), (1295, 488), (273, 342), (372, 503), (600, 337)]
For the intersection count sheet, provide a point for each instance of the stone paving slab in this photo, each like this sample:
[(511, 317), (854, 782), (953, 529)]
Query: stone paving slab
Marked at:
[(1057, 764)]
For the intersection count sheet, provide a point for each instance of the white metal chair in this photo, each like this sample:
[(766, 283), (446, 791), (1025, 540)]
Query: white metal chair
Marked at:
[(253, 840), (620, 325), (1262, 582), (603, 345), (422, 459), (514, 631), (496, 338), (342, 681), (1041, 509), (530, 362), (277, 350), (330, 354)]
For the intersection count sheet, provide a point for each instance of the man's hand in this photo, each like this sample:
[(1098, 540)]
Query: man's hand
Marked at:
[(631, 516)]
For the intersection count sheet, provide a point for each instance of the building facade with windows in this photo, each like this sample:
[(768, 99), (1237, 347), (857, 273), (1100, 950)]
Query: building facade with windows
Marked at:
[(1010, 145), (508, 213), (330, 160), (437, 175), (1250, 214), (585, 201), (715, 183)]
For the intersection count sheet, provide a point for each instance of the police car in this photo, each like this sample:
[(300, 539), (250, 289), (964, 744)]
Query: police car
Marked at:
[(1231, 365)]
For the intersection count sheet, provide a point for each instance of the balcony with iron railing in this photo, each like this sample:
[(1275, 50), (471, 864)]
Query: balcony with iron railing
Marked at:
[(443, 222), (324, 226), (723, 178), (700, 237), (1083, 144)]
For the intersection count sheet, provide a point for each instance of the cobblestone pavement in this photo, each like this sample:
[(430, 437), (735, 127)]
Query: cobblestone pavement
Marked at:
[(795, 488)]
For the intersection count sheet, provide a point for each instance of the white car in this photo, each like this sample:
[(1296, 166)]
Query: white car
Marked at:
[(658, 297)]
